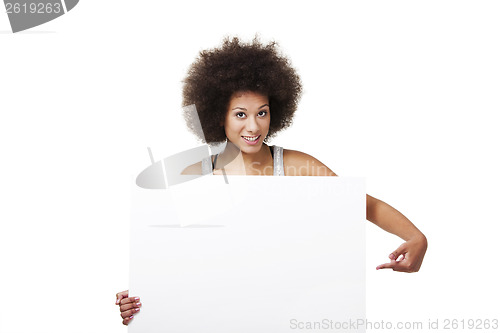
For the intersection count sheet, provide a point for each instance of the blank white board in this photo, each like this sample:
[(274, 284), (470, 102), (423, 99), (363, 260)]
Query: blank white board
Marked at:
[(259, 254)]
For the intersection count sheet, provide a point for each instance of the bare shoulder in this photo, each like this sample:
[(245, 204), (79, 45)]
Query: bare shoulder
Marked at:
[(193, 169), (297, 163)]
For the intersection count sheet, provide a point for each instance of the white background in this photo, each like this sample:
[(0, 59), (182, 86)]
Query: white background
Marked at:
[(404, 93)]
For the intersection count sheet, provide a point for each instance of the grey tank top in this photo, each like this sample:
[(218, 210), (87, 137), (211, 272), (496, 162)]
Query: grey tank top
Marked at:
[(276, 151)]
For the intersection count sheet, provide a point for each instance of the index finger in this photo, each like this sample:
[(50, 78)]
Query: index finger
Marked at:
[(391, 264), (121, 295)]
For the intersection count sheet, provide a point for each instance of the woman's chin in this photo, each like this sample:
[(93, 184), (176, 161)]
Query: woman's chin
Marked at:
[(249, 149), (254, 149)]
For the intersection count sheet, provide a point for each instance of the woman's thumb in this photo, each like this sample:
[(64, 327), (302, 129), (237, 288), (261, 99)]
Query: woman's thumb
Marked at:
[(399, 251)]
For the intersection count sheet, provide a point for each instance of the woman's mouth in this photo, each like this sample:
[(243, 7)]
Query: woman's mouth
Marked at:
[(251, 140)]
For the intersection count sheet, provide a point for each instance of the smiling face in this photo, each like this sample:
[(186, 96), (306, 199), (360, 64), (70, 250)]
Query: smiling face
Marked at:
[(247, 121)]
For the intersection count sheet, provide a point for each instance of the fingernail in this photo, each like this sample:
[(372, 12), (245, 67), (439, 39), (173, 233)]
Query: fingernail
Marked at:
[(137, 309), (137, 298), (138, 304), (131, 317), (392, 256)]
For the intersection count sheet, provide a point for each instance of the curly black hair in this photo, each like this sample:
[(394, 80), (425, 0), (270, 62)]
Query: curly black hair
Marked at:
[(237, 66)]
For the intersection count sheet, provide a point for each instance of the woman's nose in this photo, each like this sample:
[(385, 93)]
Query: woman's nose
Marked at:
[(251, 124)]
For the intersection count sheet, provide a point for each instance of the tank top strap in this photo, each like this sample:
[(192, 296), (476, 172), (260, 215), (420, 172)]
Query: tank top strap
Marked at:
[(279, 169), (207, 166), (214, 163)]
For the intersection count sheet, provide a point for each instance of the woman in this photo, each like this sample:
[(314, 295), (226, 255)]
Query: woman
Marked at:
[(244, 94)]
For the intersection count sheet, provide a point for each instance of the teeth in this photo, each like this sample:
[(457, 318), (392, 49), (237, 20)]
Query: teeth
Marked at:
[(251, 138)]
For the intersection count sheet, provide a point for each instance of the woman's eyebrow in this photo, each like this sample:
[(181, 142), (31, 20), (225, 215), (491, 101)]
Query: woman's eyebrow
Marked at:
[(244, 109)]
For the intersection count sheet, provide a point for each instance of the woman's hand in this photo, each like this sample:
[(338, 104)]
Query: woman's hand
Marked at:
[(128, 306), (409, 256)]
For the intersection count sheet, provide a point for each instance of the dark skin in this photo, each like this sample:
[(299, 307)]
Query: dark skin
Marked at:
[(128, 306)]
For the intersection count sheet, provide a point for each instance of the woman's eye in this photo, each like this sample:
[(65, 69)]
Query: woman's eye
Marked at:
[(240, 115), (262, 113)]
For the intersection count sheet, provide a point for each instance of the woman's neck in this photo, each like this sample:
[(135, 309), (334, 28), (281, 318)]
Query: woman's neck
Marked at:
[(235, 161)]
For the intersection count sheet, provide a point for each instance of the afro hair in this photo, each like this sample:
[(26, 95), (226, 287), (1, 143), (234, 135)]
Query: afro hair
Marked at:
[(237, 67)]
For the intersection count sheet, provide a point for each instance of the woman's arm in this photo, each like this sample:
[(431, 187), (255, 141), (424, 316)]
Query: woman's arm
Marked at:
[(409, 256), (406, 258)]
